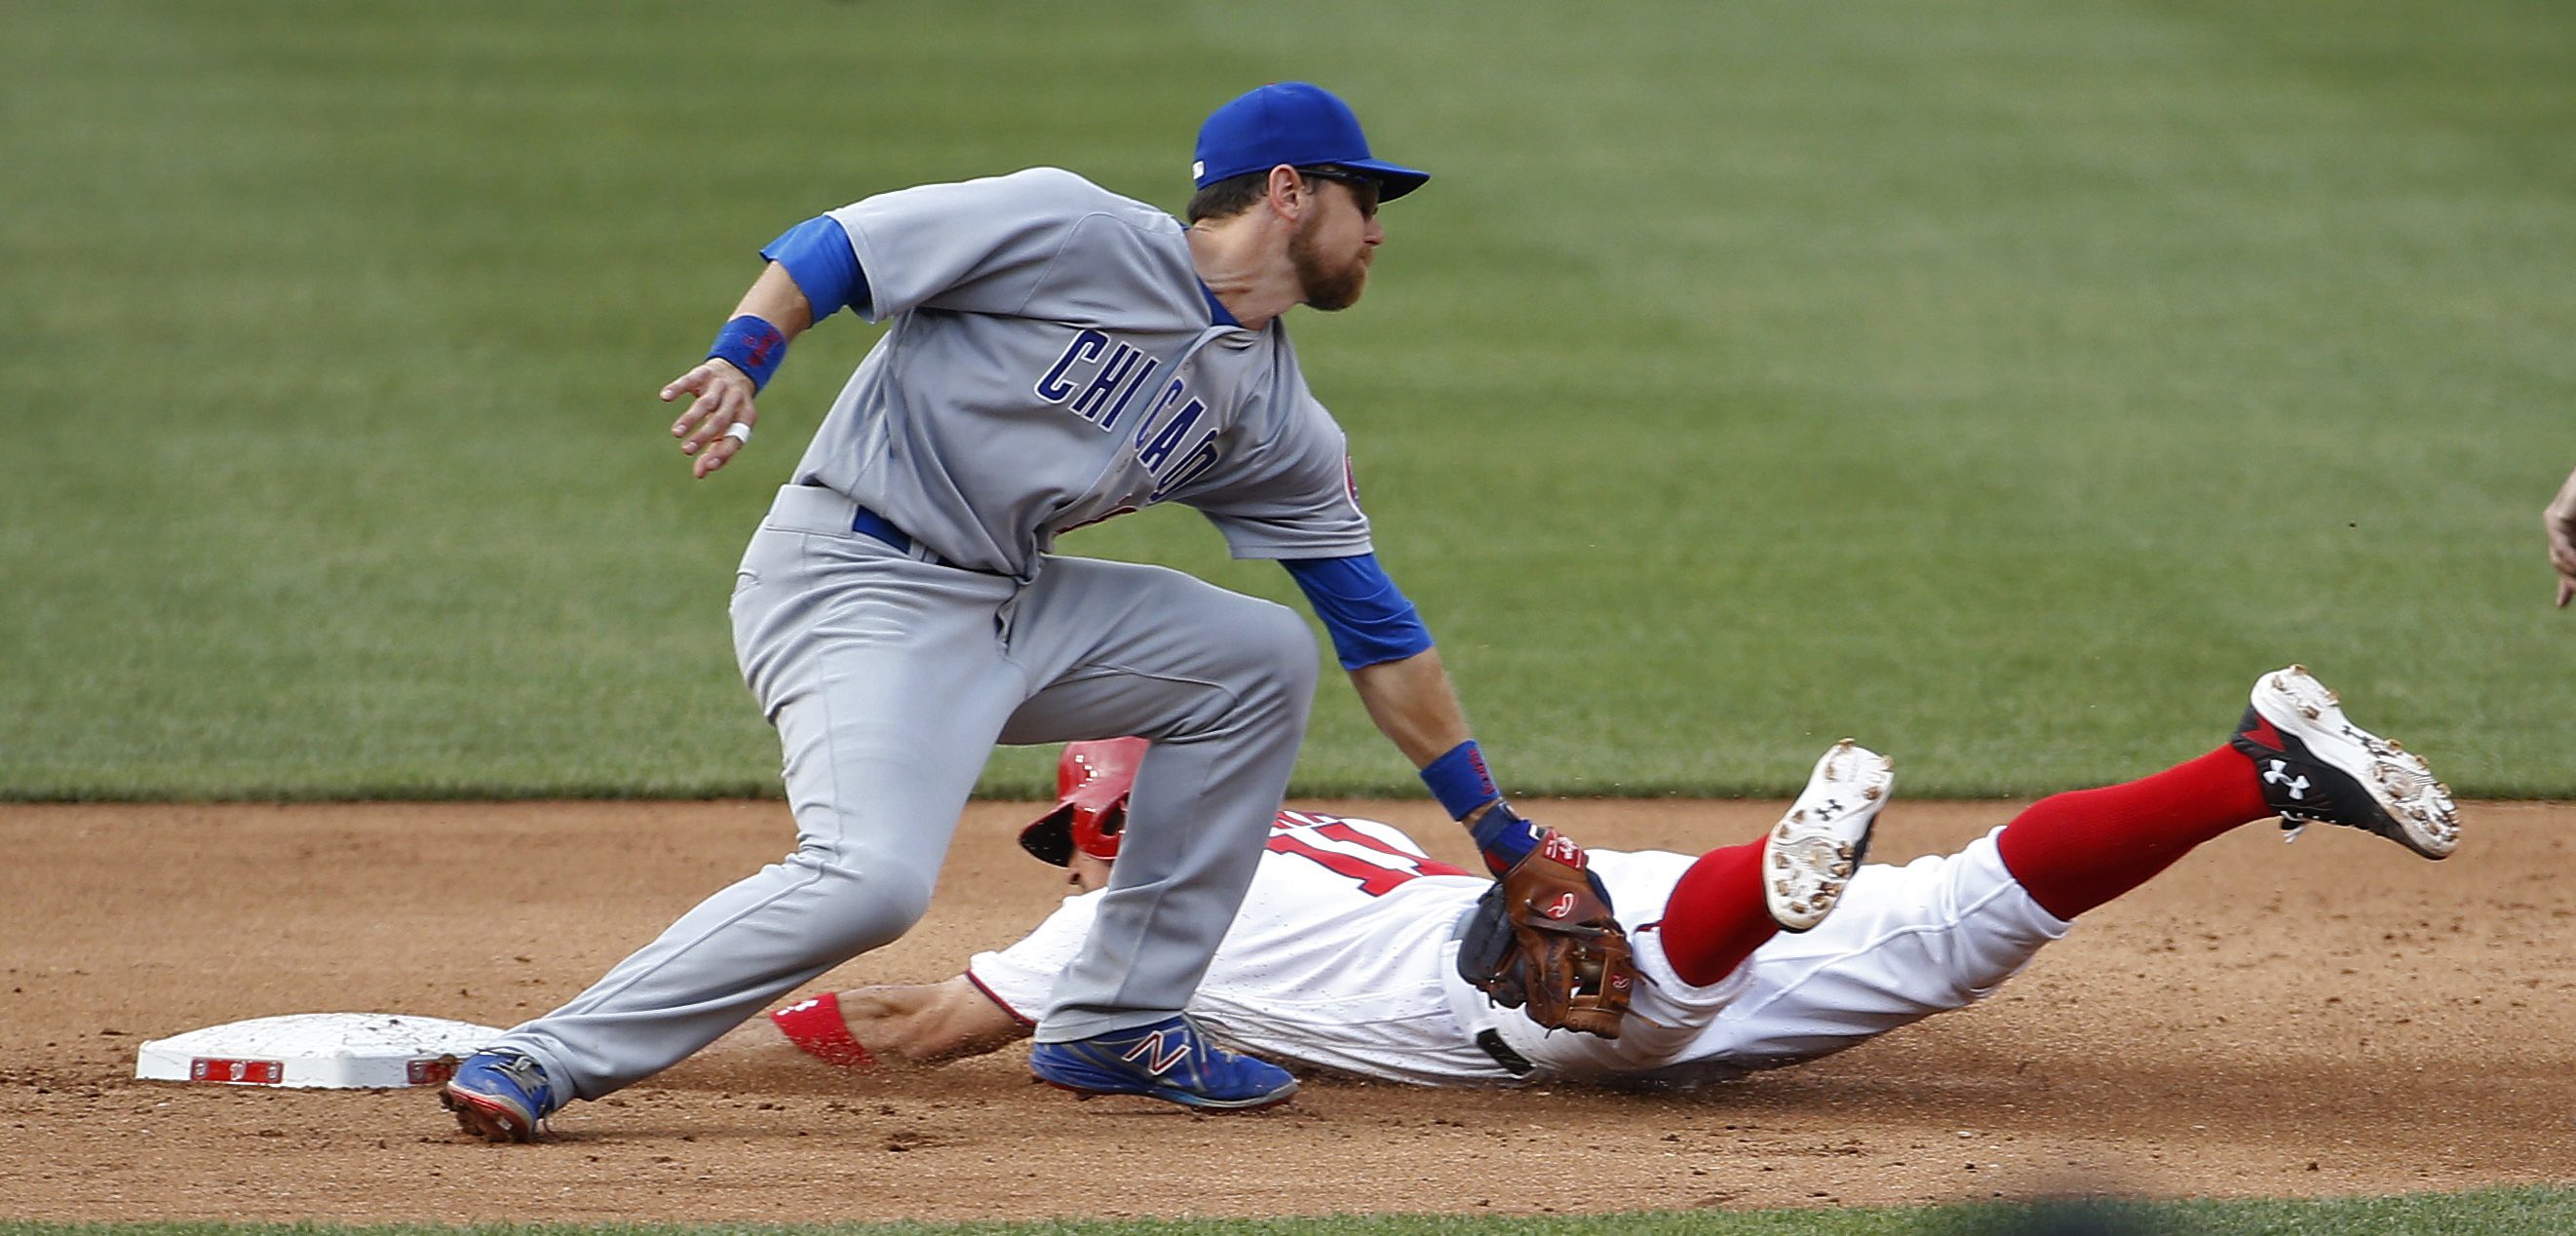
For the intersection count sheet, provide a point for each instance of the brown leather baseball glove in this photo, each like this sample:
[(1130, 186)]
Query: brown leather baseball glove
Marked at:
[(1543, 937)]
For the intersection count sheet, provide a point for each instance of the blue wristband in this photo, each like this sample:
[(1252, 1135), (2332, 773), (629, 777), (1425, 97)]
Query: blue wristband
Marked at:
[(1503, 837), (1459, 780), (752, 346)]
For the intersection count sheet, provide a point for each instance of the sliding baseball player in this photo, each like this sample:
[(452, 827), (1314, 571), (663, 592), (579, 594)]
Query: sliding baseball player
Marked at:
[(1346, 956)]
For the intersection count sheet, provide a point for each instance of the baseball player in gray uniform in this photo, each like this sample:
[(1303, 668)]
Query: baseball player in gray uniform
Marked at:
[(1057, 355)]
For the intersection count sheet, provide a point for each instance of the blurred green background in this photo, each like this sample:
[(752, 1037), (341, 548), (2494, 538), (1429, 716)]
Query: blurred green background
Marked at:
[(2005, 384)]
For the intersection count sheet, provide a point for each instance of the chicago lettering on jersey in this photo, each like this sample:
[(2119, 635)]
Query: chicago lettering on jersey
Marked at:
[(1099, 379)]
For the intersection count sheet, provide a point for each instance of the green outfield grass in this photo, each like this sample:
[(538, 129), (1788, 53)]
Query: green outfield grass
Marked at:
[(2003, 383), (2492, 1212)]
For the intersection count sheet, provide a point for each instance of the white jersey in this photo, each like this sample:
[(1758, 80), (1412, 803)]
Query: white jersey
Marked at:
[(1344, 957)]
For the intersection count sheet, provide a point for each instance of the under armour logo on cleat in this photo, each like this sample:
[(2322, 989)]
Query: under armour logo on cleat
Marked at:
[(2277, 775)]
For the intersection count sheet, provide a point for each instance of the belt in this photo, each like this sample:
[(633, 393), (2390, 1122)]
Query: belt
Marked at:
[(1514, 1063), (878, 526)]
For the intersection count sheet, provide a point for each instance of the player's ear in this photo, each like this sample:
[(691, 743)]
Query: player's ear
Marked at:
[(1287, 192)]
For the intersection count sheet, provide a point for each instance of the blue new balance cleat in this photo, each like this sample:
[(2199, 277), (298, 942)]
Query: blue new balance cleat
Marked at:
[(500, 1096), (1169, 1060)]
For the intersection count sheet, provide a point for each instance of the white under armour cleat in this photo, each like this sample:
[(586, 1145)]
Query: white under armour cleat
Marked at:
[(2318, 767), (1813, 851)]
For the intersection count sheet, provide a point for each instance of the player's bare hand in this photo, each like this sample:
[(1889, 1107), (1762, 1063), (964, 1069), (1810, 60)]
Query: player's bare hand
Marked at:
[(707, 427), (2562, 552), (2559, 521)]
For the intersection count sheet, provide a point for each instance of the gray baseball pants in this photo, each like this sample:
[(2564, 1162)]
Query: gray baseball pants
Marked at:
[(889, 679)]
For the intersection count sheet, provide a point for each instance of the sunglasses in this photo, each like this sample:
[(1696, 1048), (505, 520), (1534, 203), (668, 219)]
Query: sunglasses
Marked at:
[(1356, 180)]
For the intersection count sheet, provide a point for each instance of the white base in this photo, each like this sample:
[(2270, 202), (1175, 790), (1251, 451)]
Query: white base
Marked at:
[(341, 1051)]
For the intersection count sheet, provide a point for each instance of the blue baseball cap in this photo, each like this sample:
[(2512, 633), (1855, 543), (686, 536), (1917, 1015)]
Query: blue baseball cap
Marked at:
[(1301, 125)]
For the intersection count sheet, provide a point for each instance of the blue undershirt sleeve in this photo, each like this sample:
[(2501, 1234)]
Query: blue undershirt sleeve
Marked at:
[(1370, 621), (818, 257)]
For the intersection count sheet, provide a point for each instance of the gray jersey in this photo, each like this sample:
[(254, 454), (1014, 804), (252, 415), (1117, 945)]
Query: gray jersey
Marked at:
[(1054, 360)]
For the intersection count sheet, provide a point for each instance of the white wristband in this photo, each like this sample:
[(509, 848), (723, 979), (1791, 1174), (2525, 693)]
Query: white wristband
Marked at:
[(739, 431)]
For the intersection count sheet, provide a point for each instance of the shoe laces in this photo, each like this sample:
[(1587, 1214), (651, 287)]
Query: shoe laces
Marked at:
[(525, 1073)]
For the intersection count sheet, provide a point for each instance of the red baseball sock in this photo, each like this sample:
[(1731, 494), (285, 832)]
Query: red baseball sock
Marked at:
[(2075, 851), (1716, 916)]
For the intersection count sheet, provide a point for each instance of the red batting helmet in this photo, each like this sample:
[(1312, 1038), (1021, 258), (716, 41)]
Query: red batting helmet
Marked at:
[(1091, 785)]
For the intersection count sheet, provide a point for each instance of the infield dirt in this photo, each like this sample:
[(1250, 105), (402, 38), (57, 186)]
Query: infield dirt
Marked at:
[(2334, 1017)]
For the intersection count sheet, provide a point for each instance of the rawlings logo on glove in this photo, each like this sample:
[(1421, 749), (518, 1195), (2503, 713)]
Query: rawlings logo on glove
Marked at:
[(1543, 938)]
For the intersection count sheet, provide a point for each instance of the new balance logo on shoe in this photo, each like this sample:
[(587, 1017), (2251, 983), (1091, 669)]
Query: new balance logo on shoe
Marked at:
[(1168, 1060), (1156, 1054)]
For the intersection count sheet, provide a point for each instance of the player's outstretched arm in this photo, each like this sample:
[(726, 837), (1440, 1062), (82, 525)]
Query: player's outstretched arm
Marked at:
[(1395, 667), (1413, 703), (773, 312), (1555, 947), (2560, 520), (869, 1028), (928, 1023)]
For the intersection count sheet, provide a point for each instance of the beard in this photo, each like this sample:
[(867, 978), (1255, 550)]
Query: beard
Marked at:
[(1328, 286)]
